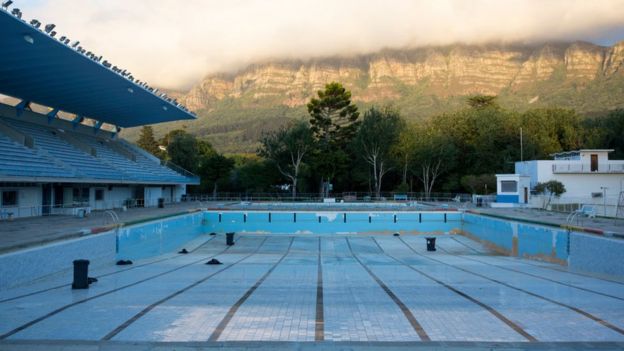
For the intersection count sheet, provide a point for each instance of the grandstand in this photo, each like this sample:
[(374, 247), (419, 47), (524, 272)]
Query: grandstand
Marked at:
[(52, 161)]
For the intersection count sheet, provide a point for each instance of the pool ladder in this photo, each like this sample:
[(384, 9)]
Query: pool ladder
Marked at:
[(572, 216), (112, 215)]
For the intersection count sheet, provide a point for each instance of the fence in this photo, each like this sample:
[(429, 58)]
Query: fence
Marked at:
[(74, 208), (346, 197), (604, 206)]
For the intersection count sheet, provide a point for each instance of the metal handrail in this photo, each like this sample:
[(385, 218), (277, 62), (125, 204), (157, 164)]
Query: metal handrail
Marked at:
[(113, 216)]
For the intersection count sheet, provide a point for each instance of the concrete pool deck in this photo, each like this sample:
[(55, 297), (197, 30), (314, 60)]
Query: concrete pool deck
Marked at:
[(307, 291)]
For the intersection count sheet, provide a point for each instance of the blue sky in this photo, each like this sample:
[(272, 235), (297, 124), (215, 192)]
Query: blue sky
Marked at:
[(174, 43)]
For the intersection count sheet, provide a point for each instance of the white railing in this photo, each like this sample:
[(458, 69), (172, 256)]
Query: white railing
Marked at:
[(577, 167)]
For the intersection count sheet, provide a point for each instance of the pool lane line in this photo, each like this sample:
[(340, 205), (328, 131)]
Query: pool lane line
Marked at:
[(530, 274), (518, 329), (63, 308), (561, 270), (149, 308), (319, 322), (232, 311), (406, 312), (575, 309), (104, 275)]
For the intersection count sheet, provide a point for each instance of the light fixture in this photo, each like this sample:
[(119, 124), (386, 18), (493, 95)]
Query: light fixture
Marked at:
[(130, 90), (165, 108), (29, 39), (48, 28)]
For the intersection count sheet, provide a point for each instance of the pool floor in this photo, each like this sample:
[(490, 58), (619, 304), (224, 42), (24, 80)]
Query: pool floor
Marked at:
[(374, 288)]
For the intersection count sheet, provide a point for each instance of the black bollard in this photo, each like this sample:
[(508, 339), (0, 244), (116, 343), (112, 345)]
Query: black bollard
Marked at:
[(229, 238), (81, 274), (431, 244)]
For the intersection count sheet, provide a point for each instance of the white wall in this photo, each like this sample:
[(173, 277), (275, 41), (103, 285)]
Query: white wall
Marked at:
[(28, 201), (151, 195), (178, 192)]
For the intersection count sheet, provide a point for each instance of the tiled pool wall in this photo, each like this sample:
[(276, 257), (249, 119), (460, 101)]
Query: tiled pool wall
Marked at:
[(332, 222), (580, 251), (31, 264), (593, 253), (158, 237), (518, 238)]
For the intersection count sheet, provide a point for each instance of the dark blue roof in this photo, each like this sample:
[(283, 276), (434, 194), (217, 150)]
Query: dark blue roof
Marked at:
[(38, 68)]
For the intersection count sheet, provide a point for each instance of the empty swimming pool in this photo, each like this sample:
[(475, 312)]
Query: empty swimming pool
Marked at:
[(322, 285)]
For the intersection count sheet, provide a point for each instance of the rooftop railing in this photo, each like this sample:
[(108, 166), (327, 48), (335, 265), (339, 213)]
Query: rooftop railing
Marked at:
[(575, 167)]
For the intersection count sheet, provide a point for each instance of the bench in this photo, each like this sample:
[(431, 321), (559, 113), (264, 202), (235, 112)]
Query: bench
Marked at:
[(587, 210), (4, 214)]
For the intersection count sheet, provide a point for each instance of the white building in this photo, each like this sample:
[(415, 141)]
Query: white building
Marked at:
[(588, 175), (512, 188)]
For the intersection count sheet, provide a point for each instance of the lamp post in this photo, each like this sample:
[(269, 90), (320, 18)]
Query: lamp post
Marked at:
[(604, 199)]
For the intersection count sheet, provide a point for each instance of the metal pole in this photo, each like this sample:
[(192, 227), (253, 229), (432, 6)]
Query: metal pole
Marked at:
[(604, 199), (521, 147)]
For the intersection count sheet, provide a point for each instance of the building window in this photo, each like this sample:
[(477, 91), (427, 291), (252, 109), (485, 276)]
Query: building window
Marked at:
[(509, 186), (9, 198), (80, 195), (99, 194)]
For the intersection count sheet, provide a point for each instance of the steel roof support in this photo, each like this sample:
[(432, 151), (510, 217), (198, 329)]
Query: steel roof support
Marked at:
[(24, 104), (97, 126), (76, 121), (52, 115)]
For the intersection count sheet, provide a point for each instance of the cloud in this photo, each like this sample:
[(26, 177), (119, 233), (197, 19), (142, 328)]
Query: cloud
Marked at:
[(173, 43)]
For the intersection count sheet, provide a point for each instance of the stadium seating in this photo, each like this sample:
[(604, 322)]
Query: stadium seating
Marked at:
[(18, 160), (55, 155)]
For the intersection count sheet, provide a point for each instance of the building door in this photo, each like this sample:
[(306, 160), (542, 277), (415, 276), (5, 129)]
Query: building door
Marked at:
[(58, 196), (139, 196), (526, 195), (594, 163), (46, 199)]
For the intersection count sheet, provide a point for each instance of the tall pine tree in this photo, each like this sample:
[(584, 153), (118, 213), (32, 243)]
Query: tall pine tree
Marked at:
[(147, 141)]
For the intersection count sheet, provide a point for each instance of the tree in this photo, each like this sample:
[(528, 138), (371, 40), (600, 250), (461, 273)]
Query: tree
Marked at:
[(482, 101), (334, 117), (147, 141), (377, 134), (215, 169), (551, 188), (287, 148), (334, 124), (183, 150), (435, 155), (403, 151), (479, 183)]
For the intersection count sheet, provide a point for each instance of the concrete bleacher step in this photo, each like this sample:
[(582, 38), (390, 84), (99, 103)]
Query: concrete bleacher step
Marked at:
[(74, 154)]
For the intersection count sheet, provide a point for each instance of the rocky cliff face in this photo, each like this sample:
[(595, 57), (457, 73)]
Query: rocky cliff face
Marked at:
[(438, 71)]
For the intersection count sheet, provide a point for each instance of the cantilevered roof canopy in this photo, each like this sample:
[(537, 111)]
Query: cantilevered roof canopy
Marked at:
[(38, 68)]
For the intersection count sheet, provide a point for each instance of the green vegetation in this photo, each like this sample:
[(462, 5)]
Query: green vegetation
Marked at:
[(552, 188), (457, 151)]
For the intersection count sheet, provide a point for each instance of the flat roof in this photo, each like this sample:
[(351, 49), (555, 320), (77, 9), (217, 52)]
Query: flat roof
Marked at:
[(576, 152), (38, 68)]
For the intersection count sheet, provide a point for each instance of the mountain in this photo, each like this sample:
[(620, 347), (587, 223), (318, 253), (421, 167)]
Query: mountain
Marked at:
[(235, 109)]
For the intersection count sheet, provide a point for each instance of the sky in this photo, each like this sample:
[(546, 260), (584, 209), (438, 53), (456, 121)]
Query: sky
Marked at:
[(174, 43)]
